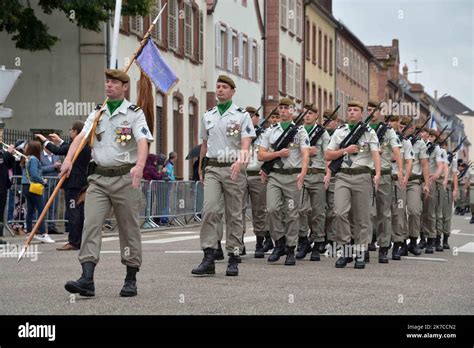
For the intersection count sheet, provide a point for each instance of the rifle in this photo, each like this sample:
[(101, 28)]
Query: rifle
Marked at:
[(401, 136), (351, 139), (464, 171), (446, 139), (451, 154), (381, 131), (284, 140), (259, 129), (431, 145), (318, 131), (414, 137)]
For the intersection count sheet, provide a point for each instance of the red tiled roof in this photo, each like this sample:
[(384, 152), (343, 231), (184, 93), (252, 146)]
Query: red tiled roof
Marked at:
[(382, 52), (416, 87)]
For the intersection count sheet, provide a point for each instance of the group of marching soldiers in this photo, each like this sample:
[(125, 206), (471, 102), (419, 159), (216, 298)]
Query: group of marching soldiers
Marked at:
[(319, 185)]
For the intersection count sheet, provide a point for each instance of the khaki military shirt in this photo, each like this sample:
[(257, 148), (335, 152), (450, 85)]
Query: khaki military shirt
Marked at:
[(435, 157), (390, 142), (367, 143), (406, 153), (116, 135), (318, 161), (453, 168), (300, 141), (254, 163), (224, 133), (419, 152)]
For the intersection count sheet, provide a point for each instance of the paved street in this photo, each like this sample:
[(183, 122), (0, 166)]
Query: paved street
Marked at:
[(430, 284)]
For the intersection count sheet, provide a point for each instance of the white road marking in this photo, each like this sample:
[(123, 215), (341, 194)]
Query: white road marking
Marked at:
[(455, 231), (467, 248), (110, 252), (109, 239), (183, 252), (424, 258), (467, 218), (169, 240)]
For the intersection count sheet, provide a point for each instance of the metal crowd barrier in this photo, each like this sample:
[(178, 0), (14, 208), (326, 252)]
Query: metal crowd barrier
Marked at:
[(177, 202)]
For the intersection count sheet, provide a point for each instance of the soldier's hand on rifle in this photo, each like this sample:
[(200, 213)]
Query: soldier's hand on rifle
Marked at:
[(300, 181), (66, 168), (352, 149), (313, 151), (284, 153)]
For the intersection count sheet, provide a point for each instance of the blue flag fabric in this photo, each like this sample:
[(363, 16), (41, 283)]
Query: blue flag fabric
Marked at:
[(154, 66)]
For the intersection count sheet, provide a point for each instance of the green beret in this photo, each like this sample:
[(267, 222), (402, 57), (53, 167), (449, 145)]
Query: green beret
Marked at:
[(117, 75), (311, 107), (328, 113), (372, 103), (226, 79), (393, 118), (252, 111), (433, 132), (355, 103), (287, 102), (406, 120)]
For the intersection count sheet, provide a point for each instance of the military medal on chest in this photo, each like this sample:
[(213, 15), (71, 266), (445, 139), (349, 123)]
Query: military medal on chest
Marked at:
[(233, 129), (123, 135)]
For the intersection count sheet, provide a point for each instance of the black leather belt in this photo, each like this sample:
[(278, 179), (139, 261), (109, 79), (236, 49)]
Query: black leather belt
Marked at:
[(355, 171), (382, 172), (253, 172), (112, 171), (289, 171), (415, 177), (215, 163)]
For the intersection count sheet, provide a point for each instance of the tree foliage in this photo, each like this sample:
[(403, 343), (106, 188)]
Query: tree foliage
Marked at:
[(18, 18)]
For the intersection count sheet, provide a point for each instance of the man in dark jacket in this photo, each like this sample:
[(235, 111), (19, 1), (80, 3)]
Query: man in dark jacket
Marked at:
[(6, 163), (74, 184)]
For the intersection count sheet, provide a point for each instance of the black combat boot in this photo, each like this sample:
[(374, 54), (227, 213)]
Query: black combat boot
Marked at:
[(259, 253), (472, 219), (315, 254), (278, 251), (372, 246), (129, 288), (422, 243), (456, 211), (366, 256), (438, 246), (397, 246), (383, 255), (219, 253), (403, 251), (322, 246), (290, 256), (207, 265), (445, 241), (413, 247), (462, 211), (244, 251), (430, 245), (305, 248), (345, 258), (268, 243), (232, 269), (84, 286), (300, 242)]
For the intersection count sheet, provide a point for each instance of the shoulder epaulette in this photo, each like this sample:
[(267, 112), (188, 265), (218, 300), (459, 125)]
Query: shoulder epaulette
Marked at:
[(134, 107), (211, 109), (240, 110), (341, 126), (98, 106)]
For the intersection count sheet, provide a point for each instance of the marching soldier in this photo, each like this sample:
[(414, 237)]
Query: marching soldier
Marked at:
[(399, 216), (285, 183), (314, 192), (430, 203), (354, 184), (441, 197), (389, 148), (226, 131), (120, 149), (257, 190), (329, 222), (448, 192)]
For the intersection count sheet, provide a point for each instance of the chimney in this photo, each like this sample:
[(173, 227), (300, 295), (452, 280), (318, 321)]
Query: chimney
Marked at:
[(436, 95), (405, 72), (395, 43)]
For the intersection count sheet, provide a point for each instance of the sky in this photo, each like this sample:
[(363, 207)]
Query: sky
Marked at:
[(439, 34)]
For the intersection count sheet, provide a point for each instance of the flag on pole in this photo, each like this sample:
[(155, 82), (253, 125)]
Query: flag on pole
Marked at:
[(433, 124), (154, 66)]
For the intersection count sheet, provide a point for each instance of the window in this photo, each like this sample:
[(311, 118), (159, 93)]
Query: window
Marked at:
[(320, 99), (235, 53), (330, 101), (193, 124), (221, 46), (256, 61), (283, 75), (299, 18), (313, 40), (320, 48), (325, 101), (156, 32), (136, 25), (313, 95), (230, 49), (173, 25), (291, 15), (306, 92), (245, 57), (201, 37), (330, 56), (338, 53), (178, 136), (307, 46), (188, 30), (160, 124), (283, 13), (325, 53), (290, 80), (298, 81)]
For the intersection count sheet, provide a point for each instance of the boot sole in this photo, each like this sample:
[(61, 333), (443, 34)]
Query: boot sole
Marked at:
[(128, 294), (257, 256), (220, 258), (273, 260), (315, 259), (74, 289), (396, 258), (290, 264), (382, 261), (429, 251), (204, 273), (359, 267), (232, 274)]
